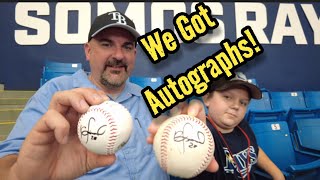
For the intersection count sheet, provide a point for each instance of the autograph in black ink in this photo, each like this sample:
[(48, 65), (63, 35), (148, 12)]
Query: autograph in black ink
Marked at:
[(193, 143), (87, 132)]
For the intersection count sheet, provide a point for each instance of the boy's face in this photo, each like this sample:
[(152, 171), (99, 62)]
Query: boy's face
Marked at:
[(227, 108)]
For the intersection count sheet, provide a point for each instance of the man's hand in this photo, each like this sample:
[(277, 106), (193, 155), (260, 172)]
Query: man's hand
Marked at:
[(52, 149)]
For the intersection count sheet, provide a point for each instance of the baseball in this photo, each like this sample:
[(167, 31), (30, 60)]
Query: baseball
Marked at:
[(184, 146), (105, 128)]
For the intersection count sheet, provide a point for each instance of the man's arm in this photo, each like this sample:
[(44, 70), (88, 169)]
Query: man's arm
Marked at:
[(265, 163), (52, 149)]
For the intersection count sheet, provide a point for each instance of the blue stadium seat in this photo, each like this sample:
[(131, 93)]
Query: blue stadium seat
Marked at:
[(287, 100), (304, 113), (143, 81), (306, 130), (312, 99), (263, 104), (46, 76), (294, 104), (52, 69), (266, 116), (303, 150), (275, 139), (53, 66), (261, 110)]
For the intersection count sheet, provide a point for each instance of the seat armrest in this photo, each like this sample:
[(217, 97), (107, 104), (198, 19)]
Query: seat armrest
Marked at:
[(304, 167)]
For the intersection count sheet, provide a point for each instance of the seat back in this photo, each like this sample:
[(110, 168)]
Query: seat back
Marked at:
[(261, 111), (142, 81), (274, 138), (312, 99), (307, 129), (53, 66), (260, 104), (52, 69), (287, 100)]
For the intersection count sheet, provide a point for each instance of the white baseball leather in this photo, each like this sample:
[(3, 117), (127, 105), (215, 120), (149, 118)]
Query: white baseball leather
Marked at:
[(184, 146), (105, 128)]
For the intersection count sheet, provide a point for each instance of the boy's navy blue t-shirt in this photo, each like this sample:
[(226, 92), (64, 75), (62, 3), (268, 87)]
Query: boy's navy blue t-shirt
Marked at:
[(238, 144)]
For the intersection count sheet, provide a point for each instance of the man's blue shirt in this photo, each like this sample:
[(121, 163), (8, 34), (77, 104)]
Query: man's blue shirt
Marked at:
[(136, 160)]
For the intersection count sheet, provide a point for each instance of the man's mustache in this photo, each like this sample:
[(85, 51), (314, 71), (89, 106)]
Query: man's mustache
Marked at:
[(117, 63)]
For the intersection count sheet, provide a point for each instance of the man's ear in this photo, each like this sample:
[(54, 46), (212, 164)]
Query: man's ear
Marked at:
[(87, 50)]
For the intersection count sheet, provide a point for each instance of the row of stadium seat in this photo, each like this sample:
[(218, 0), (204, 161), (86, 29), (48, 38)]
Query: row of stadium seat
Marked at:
[(52, 69), (300, 110), (276, 140), (284, 105)]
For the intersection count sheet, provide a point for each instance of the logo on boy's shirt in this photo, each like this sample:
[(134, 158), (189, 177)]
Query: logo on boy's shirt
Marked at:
[(241, 161)]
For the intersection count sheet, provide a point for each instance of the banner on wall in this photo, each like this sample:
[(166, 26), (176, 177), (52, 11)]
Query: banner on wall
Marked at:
[(285, 24), (288, 32)]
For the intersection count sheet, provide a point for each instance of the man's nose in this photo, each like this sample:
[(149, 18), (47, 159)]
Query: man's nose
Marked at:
[(118, 53)]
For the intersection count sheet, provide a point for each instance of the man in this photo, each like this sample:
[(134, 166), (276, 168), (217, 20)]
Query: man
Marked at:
[(44, 143)]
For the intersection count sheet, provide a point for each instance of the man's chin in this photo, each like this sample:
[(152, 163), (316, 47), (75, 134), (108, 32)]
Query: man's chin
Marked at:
[(114, 82)]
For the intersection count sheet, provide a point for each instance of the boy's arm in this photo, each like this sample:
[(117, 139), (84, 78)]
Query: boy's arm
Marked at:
[(267, 165)]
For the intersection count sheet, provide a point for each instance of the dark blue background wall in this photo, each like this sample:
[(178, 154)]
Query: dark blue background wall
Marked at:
[(282, 67)]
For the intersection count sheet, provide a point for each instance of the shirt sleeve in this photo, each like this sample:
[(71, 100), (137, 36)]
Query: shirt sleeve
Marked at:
[(34, 109)]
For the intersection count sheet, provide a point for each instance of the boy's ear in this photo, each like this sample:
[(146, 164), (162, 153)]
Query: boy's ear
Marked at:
[(206, 99)]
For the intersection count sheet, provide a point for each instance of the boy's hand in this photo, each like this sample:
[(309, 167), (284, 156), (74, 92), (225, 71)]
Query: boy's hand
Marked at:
[(194, 108)]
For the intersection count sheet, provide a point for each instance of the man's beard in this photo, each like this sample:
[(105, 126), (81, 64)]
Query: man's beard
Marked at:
[(114, 83)]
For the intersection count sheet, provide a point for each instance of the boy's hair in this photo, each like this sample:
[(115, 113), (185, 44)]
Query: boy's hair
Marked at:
[(239, 79)]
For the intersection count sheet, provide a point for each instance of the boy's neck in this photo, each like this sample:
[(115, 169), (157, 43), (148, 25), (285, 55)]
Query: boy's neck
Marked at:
[(224, 131)]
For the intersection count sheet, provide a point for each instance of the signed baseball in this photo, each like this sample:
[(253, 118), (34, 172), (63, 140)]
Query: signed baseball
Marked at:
[(184, 146), (105, 128)]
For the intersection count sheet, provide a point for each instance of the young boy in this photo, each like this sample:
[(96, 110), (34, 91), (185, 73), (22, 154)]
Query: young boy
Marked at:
[(236, 148)]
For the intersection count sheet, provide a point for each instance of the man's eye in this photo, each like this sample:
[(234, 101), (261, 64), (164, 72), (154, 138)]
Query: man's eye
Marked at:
[(128, 47), (106, 44)]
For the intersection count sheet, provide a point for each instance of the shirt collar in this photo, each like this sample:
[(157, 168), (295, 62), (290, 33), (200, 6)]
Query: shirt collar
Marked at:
[(80, 79)]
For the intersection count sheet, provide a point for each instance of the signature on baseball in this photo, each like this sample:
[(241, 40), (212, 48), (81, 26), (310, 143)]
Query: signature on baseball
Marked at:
[(85, 131), (188, 137)]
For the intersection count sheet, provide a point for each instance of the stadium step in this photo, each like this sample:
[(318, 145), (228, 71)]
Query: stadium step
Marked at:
[(9, 114), (11, 106), (16, 94), (5, 128), (15, 98), (13, 101)]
